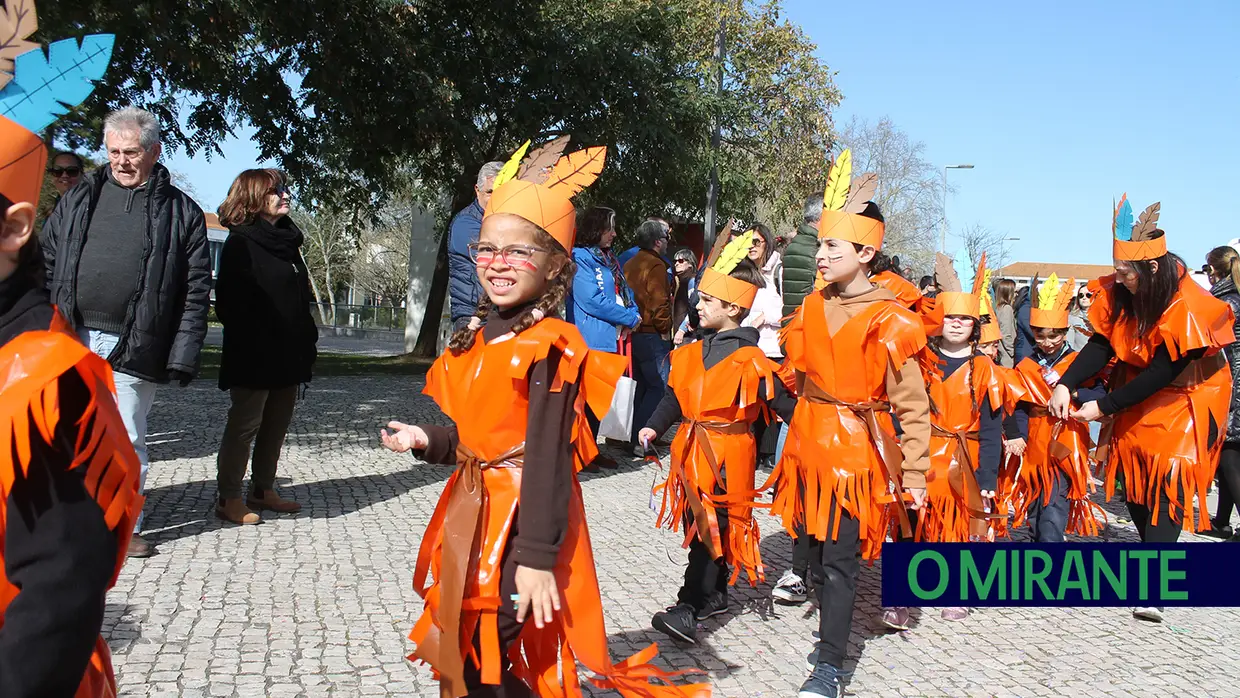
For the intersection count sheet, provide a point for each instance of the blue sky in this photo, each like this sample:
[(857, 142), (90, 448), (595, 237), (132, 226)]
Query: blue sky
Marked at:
[(1061, 106)]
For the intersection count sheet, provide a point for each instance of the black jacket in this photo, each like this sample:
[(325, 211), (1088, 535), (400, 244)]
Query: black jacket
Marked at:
[(1225, 290), (262, 297), (167, 318)]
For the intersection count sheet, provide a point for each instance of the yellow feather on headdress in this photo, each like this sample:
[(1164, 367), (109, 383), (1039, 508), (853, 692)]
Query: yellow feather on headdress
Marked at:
[(839, 181), (987, 306), (509, 169), (736, 250), (1048, 292)]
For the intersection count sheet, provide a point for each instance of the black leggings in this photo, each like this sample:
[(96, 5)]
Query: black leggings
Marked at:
[(806, 556), (841, 563), (1167, 530), (1228, 483), (509, 630)]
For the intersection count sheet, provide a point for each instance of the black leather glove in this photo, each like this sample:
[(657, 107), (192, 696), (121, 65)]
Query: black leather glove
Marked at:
[(182, 377)]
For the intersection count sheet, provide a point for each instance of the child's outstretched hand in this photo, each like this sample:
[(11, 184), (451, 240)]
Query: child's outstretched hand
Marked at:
[(536, 591), (404, 437), (646, 436)]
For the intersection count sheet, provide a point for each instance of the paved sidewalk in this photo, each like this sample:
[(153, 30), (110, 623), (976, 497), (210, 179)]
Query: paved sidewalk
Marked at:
[(319, 604)]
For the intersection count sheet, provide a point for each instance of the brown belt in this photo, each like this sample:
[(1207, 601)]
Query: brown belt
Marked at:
[(961, 476), (460, 528), (888, 450), (706, 526)]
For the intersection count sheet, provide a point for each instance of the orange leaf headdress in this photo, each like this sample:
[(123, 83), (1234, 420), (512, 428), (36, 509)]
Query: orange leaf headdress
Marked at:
[(1050, 306), (541, 187), (844, 200), (1143, 241)]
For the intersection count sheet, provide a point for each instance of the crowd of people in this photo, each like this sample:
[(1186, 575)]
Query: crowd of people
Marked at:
[(957, 409), (961, 408)]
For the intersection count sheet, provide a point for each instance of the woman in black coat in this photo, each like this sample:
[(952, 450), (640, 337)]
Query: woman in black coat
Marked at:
[(262, 297), (1223, 268)]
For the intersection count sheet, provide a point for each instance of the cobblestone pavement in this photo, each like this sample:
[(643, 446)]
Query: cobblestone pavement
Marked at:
[(320, 604)]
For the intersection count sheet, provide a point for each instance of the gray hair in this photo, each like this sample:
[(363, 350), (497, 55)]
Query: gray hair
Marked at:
[(487, 172), (813, 209), (132, 119), (650, 233)]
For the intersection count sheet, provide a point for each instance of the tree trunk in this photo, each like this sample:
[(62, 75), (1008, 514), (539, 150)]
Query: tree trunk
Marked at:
[(428, 334), (318, 299)]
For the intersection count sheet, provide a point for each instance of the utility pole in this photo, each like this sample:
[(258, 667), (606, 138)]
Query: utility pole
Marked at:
[(712, 188)]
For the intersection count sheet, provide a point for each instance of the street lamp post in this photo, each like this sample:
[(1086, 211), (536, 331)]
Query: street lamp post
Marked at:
[(943, 232)]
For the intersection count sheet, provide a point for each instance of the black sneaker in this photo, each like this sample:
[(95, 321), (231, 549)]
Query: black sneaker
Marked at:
[(716, 604), (1222, 533), (825, 682), (678, 622)]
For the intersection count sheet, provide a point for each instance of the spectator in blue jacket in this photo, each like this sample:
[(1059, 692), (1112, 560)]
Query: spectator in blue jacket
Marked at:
[(1025, 342), (464, 289), (600, 303)]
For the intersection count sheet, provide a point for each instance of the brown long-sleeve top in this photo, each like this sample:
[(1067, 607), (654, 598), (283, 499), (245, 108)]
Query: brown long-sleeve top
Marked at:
[(547, 473), (647, 275), (906, 389)]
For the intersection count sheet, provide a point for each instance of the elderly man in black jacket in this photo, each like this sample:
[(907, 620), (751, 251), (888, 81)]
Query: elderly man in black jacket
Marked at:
[(127, 263)]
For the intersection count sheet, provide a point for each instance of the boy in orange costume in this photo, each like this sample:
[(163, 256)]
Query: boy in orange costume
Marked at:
[(719, 387), (68, 474), (1053, 488), (839, 465), (509, 539), (1171, 388)]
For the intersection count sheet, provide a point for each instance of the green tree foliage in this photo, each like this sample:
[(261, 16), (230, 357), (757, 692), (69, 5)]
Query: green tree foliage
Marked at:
[(350, 96)]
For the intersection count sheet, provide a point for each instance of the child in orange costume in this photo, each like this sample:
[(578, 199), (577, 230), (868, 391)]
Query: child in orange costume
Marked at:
[(509, 538), (1171, 389), (1054, 484), (719, 387), (839, 463), (68, 473)]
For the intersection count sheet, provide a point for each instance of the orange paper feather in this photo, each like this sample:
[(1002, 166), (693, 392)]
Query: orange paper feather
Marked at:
[(578, 170)]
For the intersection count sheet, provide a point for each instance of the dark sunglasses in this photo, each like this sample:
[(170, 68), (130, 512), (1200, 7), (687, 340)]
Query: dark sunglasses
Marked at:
[(1085, 295), (61, 171), (279, 190)]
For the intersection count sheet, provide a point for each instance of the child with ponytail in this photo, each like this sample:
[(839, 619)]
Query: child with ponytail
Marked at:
[(515, 603)]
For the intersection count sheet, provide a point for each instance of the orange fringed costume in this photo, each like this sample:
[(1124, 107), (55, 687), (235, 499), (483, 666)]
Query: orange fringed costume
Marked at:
[(719, 407), (1054, 446), (485, 392), (1163, 442), (903, 289), (953, 500), (30, 369), (838, 455)]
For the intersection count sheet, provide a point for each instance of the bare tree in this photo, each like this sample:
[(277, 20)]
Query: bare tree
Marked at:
[(330, 247), (909, 190), (381, 267), (979, 239)]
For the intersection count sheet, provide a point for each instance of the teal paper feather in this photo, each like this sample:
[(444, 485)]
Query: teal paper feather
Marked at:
[(1123, 222), (964, 269), (45, 87)]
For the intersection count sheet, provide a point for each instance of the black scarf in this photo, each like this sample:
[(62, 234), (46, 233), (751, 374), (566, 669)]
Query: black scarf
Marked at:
[(282, 239)]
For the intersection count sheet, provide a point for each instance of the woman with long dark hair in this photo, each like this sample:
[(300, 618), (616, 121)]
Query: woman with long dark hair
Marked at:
[(1005, 314), (1223, 268), (1171, 386), (262, 297)]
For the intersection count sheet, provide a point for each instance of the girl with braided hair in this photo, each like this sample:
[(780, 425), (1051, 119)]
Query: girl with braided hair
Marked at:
[(515, 603)]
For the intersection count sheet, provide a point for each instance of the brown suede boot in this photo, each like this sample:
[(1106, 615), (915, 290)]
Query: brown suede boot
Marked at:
[(269, 500), (236, 512)]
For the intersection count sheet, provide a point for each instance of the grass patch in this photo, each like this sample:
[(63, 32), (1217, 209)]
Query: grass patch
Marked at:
[(329, 364)]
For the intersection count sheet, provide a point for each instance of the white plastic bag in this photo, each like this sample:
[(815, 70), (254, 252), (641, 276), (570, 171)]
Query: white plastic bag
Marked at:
[(618, 422)]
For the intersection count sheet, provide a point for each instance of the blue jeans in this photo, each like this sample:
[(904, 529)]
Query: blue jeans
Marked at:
[(650, 367), (134, 398), (779, 445)]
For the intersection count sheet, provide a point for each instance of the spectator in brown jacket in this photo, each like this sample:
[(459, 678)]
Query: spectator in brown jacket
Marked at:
[(647, 274)]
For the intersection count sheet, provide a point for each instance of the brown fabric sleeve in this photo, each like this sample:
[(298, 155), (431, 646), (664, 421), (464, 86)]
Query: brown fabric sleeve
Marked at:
[(906, 391), (547, 477), (441, 444), (660, 297)]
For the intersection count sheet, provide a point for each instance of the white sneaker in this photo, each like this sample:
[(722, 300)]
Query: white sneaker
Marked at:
[(790, 589), (1149, 613)]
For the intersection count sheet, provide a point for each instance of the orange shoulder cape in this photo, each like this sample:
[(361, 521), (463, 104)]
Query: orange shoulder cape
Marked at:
[(1194, 320)]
